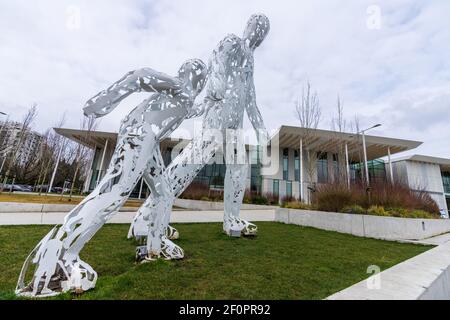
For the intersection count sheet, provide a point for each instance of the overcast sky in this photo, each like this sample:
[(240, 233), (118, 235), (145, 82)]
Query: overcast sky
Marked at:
[(388, 60)]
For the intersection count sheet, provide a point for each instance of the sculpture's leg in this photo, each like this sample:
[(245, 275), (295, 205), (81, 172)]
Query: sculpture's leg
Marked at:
[(153, 212), (235, 182), (57, 256), (180, 172), (139, 226)]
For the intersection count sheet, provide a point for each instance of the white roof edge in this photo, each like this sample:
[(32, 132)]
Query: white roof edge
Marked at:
[(410, 144), (424, 158)]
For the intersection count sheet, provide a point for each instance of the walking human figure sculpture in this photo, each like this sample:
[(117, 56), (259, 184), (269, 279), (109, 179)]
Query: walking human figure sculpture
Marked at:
[(230, 92), (58, 265)]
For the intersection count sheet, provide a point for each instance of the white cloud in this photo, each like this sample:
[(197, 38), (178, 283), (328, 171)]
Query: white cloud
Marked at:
[(397, 75)]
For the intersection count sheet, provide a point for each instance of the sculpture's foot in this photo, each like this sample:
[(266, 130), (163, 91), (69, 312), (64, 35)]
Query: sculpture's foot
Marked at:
[(82, 278), (76, 277), (172, 233), (235, 227), (168, 251), (139, 230)]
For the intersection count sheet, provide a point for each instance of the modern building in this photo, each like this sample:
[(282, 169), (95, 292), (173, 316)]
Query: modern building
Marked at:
[(308, 158), (13, 135), (425, 173), (301, 159)]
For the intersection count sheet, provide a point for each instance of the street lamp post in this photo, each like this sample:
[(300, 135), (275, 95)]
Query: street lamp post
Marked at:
[(366, 167)]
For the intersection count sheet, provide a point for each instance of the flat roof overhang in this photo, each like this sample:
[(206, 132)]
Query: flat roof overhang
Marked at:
[(94, 139), (289, 137), (329, 141), (90, 139)]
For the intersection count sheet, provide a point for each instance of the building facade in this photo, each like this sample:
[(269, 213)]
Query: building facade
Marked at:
[(300, 160), (425, 173), (28, 142)]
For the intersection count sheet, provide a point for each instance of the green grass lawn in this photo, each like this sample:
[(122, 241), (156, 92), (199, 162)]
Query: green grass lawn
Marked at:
[(283, 262)]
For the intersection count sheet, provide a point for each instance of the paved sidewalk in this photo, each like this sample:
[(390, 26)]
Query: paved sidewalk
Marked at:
[(423, 277), (51, 218), (436, 241)]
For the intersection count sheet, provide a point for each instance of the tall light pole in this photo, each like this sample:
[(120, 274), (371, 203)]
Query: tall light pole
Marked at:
[(366, 167)]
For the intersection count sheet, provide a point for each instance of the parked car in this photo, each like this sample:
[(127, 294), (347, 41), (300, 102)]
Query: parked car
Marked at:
[(26, 187), (15, 187)]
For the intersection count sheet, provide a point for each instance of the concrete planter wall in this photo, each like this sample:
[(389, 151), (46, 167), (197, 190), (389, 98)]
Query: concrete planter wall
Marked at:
[(207, 205), (387, 228), (182, 203)]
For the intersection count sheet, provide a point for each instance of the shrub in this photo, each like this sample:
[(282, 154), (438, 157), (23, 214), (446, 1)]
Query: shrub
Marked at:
[(251, 197), (333, 197), (399, 196), (259, 199), (201, 191), (377, 211), (337, 197), (398, 212), (413, 214), (420, 214), (272, 199), (354, 209), (286, 199), (297, 205)]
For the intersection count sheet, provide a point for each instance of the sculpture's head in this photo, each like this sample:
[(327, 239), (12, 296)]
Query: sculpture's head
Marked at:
[(193, 74), (258, 27)]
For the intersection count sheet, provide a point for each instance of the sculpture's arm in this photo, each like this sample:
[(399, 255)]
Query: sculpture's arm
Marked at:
[(197, 110), (135, 81), (254, 115)]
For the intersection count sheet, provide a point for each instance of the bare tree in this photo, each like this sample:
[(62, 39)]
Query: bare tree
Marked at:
[(339, 126), (338, 122), (54, 143), (23, 133), (309, 114), (88, 124)]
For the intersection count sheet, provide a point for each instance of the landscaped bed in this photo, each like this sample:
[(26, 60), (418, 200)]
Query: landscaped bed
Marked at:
[(52, 199), (283, 262), (388, 200)]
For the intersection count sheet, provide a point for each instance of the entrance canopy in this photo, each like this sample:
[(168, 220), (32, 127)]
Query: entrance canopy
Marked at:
[(93, 139), (288, 137)]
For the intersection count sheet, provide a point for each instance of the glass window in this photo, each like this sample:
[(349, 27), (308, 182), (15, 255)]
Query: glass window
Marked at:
[(377, 171), (255, 175), (322, 167), (276, 188), (336, 166), (446, 181), (289, 189), (297, 165), (285, 164)]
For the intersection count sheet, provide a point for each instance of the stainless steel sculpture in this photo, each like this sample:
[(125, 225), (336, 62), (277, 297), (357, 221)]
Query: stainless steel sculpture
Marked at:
[(58, 265), (230, 91)]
